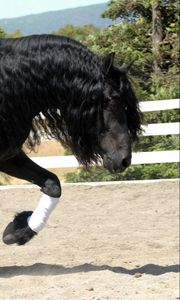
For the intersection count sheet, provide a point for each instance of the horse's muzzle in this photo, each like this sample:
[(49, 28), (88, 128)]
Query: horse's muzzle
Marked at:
[(116, 165)]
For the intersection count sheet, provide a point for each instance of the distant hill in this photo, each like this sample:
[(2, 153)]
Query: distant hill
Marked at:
[(53, 20)]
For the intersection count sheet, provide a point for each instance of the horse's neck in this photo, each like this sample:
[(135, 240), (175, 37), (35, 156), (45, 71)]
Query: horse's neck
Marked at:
[(49, 97)]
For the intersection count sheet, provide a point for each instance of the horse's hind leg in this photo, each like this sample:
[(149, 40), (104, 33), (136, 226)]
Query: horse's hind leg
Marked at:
[(26, 224)]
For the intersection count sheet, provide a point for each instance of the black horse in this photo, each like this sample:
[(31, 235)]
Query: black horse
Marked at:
[(55, 87)]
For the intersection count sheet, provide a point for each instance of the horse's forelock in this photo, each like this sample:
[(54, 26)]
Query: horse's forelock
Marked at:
[(120, 91), (131, 103)]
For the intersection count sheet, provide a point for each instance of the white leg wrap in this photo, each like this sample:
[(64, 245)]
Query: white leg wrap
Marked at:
[(42, 212)]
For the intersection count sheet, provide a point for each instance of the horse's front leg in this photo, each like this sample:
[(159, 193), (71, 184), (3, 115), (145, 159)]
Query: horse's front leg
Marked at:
[(27, 223)]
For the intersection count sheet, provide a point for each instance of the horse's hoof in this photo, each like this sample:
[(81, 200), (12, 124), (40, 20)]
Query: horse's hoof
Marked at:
[(8, 234), (18, 230)]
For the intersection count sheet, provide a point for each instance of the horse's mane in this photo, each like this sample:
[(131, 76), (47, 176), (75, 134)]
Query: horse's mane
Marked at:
[(59, 83)]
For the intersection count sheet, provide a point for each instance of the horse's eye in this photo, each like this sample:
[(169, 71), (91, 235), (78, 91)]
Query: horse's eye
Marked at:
[(102, 134)]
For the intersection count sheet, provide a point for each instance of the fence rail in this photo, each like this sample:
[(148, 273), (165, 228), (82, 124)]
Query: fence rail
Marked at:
[(161, 129), (148, 106), (137, 158)]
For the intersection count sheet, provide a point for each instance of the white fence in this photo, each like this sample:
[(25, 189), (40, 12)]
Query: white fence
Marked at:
[(137, 158)]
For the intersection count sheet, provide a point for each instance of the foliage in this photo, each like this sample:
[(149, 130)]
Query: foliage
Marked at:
[(2, 33), (157, 143), (131, 10), (77, 32), (135, 10), (14, 34), (128, 9), (137, 172)]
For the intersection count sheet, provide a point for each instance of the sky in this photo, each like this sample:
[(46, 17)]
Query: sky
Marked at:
[(17, 8)]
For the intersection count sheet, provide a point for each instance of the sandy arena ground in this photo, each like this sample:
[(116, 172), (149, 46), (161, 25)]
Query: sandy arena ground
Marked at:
[(116, 242)]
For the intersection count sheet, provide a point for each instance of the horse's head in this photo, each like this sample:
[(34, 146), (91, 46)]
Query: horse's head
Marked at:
[(121, 118)]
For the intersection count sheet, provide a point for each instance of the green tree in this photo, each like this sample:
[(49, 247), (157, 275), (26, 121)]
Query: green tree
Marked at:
[(163, 19), (128, 9), (2, 33), (77, 32), (15, 34)]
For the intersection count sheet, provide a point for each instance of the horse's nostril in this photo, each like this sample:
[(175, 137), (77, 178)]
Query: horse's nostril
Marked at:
[(126, 162), (116, 164)]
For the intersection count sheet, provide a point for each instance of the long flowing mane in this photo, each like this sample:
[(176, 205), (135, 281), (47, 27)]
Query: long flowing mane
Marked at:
[(57, 86)]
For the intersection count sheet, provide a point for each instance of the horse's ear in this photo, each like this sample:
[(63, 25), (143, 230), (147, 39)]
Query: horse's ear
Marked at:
[(127, 67), (108, 62)]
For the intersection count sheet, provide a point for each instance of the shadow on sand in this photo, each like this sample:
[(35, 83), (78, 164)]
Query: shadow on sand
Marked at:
[(41, 269)]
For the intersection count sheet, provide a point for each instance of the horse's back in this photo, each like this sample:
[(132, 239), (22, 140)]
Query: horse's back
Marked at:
[(42, 41)]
